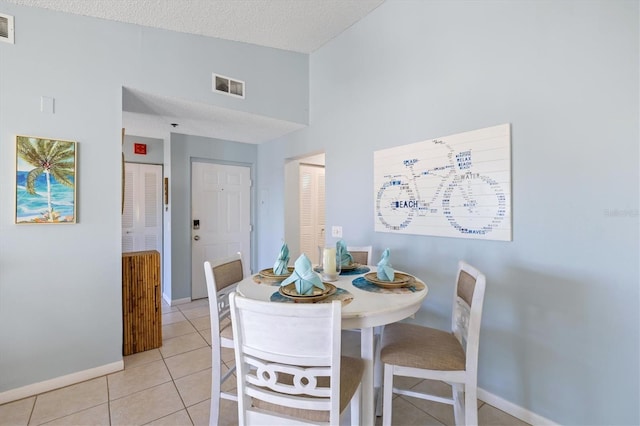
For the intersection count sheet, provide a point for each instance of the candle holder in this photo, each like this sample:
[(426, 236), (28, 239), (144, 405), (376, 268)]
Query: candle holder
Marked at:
[(330, 265)]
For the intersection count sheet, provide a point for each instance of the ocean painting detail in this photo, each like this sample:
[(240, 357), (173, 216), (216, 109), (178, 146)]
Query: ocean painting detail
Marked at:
[(45, 180)]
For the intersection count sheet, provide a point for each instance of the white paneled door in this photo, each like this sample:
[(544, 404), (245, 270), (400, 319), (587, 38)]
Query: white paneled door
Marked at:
[(311, 210), (142, 215), (220, 218)]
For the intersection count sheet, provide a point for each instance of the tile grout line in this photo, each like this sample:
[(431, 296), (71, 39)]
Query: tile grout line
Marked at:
[(172, 378), (109, 395), (33, 408), (164, 360), (74, 412), (209, 345), (173, 382), (144, 390), (437, 419)]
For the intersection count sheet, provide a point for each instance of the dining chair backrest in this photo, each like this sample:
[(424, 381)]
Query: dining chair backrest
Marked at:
[(228, 271), (222, 276), (361, 254), (468, 301), (287, 356)]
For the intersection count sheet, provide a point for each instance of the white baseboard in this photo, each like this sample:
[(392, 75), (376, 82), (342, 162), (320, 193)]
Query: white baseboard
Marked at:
[(60, 382), (180, 301), (175, 302), (513, 409)]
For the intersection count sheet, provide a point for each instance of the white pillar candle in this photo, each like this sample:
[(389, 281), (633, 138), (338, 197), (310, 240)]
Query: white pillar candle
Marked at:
[(329, 261)]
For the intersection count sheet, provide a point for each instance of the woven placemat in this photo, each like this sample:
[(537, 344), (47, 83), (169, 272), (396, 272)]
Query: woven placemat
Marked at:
[(341, 294), (358, 271), (365, 285)]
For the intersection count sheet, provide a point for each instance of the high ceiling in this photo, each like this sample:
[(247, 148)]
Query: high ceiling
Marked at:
[(296, 25)]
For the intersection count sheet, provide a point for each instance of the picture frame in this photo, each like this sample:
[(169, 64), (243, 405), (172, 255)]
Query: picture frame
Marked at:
[(45, 180)]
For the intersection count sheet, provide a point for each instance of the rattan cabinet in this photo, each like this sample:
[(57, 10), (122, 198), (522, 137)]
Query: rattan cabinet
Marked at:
[(141, 310)]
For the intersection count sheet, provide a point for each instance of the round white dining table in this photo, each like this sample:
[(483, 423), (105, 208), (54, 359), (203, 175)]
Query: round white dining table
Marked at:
[(366, 311)]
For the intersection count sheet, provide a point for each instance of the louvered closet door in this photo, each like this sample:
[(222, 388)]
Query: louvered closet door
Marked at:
[(311, 210), (142, 217)]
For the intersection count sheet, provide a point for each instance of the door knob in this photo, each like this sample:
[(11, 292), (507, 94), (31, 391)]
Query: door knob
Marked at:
[(197, 237)]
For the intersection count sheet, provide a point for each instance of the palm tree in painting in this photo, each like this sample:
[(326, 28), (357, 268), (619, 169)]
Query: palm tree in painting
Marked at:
[(51, 157)]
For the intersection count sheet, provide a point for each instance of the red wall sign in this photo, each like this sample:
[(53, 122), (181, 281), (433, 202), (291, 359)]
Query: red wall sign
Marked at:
[(140, 148)]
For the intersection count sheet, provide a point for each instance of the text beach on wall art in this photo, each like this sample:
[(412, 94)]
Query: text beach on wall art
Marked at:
[(45, 180), (454, 186)]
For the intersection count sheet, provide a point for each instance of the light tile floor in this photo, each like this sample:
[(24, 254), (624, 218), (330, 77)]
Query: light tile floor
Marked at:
[(171, 386)]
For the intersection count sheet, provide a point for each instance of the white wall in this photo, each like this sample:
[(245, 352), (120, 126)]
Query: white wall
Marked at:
[(561, 325), (60, 285)]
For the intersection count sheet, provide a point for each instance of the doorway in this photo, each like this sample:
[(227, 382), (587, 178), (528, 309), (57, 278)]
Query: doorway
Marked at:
[(305, 192), (312, 217), (142, 212), (220, 217)]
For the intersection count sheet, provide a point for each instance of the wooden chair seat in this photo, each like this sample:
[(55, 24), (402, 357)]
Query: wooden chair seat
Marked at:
[(415, 346)]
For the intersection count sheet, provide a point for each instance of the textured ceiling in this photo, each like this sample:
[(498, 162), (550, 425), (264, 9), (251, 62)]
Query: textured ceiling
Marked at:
[(296, 25)]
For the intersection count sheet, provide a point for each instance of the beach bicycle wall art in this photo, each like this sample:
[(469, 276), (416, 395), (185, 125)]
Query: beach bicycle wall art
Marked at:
[(455, 186), (45, 180)]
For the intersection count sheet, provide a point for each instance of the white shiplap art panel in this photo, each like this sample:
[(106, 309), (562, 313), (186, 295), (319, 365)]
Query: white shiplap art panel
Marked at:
[(454, 186)]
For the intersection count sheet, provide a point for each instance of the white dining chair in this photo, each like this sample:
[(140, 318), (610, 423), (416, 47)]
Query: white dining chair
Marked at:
[(451, 356), (221, 276), (361, 254), (289, 367)]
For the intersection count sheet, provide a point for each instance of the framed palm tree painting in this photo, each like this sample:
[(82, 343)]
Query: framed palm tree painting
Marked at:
[(45, 180)]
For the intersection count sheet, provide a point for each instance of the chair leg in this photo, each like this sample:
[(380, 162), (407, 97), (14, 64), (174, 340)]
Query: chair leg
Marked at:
[(214, 410), (387, 391), (458, 403), (378, 372), (471, 405), (355, 406)]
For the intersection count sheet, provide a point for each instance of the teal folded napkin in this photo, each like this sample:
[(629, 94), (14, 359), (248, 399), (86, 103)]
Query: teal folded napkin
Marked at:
[(280, 267), (343, 254), (304, 277), (385, 270)]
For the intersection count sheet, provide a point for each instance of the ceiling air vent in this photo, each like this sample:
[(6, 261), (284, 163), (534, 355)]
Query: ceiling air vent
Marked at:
[(6, 28), (228, 86)]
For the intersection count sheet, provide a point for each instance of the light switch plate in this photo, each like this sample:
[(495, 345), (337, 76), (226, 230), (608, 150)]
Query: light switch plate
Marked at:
[(47, 105), (336, 231)]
